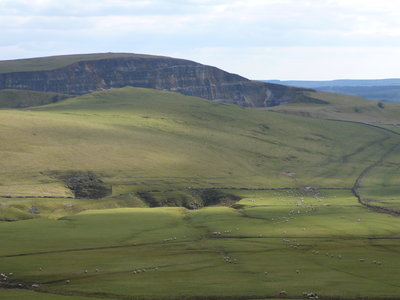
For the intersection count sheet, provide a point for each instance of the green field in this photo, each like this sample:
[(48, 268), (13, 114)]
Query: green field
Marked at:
[(32, 295), (269, 245), (296, 224)]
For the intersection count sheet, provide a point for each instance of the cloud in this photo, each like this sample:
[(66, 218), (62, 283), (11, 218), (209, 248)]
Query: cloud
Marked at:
[(304, 63), (251, 22), (70, 7), (44, 27)]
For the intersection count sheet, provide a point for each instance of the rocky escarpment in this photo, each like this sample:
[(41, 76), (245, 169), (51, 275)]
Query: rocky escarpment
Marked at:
[(162, 73)]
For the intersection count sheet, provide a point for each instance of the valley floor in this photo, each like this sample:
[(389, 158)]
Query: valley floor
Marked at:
[(294, 241)]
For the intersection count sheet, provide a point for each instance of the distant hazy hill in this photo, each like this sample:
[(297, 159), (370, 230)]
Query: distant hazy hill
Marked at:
[(377, 89), (82, 74), (339, 82)]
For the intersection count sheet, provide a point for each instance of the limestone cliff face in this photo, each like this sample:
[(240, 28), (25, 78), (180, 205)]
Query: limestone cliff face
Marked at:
[(162, 73)]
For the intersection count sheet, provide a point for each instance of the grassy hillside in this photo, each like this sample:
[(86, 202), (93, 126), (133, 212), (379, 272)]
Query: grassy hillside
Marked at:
[(378, 187), (23, 98), (381, 186), (296, 225), (344, 107), (54, 62), (379, 93), (139, 139)]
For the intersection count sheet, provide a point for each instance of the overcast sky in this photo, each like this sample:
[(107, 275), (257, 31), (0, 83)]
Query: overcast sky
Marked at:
[(259, 39)]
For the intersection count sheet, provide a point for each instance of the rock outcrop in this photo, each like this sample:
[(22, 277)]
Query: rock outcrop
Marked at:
[(162, 73)]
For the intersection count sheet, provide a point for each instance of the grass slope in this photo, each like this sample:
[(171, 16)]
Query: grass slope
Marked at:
[(344, 107), (296, 239), (379, 93), (55, 62), (32, 295), (138, 139), (23, 98), (381, 186)]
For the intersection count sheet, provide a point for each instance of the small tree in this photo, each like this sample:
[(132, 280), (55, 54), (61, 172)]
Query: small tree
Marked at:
[(381, 105)]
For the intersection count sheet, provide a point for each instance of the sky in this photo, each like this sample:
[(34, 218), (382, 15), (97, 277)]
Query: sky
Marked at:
[(258, 39)]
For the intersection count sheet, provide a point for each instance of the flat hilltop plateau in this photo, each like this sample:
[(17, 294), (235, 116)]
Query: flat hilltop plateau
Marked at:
[(143, 193), (82, 74)]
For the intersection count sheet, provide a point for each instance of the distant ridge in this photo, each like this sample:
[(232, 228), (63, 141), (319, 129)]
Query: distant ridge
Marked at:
[(82, 74), (338, 82), (376, 89)]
